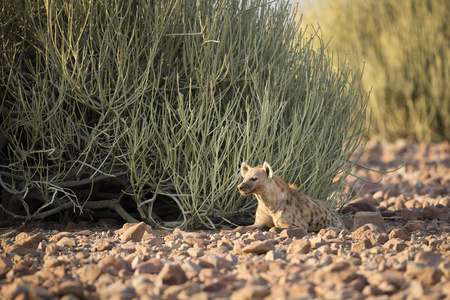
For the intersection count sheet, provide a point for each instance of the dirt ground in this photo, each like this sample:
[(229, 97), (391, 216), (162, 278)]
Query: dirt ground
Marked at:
[(396, 247)]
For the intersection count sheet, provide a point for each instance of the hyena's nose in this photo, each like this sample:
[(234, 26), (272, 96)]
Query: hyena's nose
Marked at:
[(241, 186)]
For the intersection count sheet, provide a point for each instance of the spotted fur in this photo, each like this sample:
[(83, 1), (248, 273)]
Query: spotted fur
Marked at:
[(280, 205)]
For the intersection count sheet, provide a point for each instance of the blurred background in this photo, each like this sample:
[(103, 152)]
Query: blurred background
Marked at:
[(404, 48)]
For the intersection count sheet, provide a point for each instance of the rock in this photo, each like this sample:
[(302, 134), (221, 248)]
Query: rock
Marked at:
[(407, 214), (362, 244), (444, 267), (61, 235), (118, 290), (67, 242), (31, 242), (396, 244), (299, 246), (102, 245), (428, 275), (428, 258), (151, 266), (431, 212), (399, 234), (89, 273), (293, 233), (249, 292), (69, 288), (171, 274), (259, 247), (372, 232), (5, 265), (415, 226), (365, 217), (134, 233), (219, 262), (113, 262), (195, 252)]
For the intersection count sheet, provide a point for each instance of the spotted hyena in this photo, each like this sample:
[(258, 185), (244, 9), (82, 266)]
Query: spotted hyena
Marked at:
[(280, 205)]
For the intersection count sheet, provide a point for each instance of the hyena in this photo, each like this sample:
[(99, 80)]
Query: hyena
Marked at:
[(280, 205)]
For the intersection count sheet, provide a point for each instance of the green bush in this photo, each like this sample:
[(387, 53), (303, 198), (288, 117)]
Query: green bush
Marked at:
[(147, 109), (405, 46)]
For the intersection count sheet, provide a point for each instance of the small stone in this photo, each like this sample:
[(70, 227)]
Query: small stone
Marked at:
[(102, 245), (396, 244), (293, 233), (249, 292), (362, 244), (415, 226), (67, 242), (431, 212), (151, 266), (365, 217), (417, 289), (171, 274), (114, 262), (89, 273), (61, 235), (301, 246), (407, 214), (428, 275), (259, 247), (400, 233), (5, 265), (134, 233), (195, 252), (219, 262), (428, 258)]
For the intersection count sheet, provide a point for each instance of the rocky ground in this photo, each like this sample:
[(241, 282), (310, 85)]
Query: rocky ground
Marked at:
[(406, 255)]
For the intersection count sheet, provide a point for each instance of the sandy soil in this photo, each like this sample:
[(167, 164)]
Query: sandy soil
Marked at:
[(405, 255)]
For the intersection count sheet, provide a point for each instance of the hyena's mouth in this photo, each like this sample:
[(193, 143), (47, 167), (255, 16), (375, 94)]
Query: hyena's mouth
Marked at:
[(246, 193)]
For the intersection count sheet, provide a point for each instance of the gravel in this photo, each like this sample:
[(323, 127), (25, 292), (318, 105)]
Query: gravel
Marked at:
[(396, 246)]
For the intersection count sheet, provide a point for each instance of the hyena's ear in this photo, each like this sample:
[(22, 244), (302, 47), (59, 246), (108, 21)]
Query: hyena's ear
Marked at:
[(268, 169), (244, 169)]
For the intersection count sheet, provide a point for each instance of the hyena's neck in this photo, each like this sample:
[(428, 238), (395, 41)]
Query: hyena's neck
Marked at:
[(272, 196)]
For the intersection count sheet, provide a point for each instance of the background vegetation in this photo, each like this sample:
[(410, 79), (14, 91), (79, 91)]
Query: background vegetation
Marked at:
[(405, 46), (147, 109)]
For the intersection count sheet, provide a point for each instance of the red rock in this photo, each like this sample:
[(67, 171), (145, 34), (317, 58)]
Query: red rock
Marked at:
[(362, 244), (68, 288), (60, 235), (301, 246), (259, 247), (102, 245), (171, 274), (151, 266), (134, 233), (366, 217), (391, 193), (219, 262), (399, 233), (89, 273), (21, 236), (31, 242), (406, 214), (395, 244), (5, 265), (114, 262), (431, 212), (414, 226), (117, 290), (428, 258), (249, 292), (428, 275), (293, 233), (67, 242)]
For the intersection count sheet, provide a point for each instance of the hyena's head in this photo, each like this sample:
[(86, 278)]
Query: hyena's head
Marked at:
[(255, 179)]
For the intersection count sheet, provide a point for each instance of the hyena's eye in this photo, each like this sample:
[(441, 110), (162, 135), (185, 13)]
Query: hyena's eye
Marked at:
[(254, 179)]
